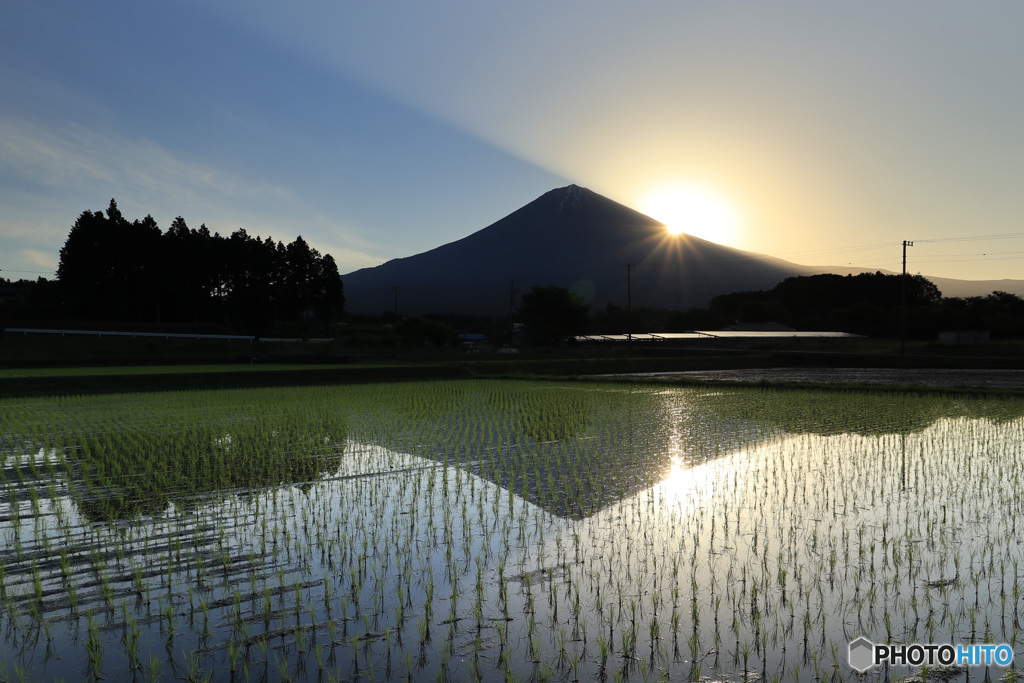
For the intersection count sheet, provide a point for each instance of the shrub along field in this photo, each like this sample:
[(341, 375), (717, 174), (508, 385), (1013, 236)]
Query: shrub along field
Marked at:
[(485, 529)]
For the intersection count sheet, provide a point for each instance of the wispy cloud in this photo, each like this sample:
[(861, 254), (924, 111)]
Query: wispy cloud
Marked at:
[(71, 154), (43, 260), (38, 155)]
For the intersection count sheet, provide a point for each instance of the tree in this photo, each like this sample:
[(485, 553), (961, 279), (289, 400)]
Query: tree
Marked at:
[(863, 304), (299, 280), (113, 269), (328, 292), (255, 270), (83, 271), (186, 284), (551, 315), (109, 268)]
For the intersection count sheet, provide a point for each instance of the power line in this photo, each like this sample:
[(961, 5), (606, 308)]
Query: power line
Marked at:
[(976, 238), (983, 253), (813, 253), (970, 260), (853, 248)]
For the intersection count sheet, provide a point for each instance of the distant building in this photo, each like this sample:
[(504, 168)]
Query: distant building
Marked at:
[(472, 342), (758, 327)]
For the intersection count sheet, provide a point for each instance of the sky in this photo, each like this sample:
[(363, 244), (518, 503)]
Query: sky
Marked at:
[(823, 133)]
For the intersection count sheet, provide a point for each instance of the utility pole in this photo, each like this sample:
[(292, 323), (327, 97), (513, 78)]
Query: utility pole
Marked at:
[(629, 305), (903, 297)]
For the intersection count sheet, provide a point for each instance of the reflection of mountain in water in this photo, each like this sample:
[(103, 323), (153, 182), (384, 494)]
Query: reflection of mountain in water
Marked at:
[(572, 450), (576, 449)]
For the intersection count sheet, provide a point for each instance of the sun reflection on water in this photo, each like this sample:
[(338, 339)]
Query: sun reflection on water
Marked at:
[(687, 482)]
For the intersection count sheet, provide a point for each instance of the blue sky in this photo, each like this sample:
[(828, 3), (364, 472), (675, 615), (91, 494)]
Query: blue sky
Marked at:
[(382, 129)]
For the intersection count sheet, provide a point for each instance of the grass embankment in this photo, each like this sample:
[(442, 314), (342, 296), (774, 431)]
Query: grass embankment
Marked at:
[(99, 380), (40, 365)]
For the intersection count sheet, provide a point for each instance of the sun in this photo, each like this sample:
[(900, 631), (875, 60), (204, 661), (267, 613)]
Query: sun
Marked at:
[(693, 210)]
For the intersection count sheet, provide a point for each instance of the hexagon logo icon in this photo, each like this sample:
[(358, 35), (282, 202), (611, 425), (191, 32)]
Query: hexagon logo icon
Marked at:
[(861, 654)]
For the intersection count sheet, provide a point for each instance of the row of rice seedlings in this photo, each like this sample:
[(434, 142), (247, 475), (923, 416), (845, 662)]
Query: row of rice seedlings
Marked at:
[(389, 559)]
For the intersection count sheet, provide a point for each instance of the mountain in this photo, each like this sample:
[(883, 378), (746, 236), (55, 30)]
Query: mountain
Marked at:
[(570, 237), (575, 238)]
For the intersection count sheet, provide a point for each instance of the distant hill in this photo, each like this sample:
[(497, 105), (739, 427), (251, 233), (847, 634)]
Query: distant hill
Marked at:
[(570, 237), (575, 238)]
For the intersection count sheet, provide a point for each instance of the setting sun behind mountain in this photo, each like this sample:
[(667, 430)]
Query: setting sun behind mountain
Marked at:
[(693, 210)]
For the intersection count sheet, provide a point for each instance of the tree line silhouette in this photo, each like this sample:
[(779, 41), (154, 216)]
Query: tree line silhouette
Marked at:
[(868, 304), (115, 270), (871, 304)]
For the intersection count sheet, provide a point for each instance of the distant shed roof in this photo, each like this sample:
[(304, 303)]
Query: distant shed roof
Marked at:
[(758, 327)]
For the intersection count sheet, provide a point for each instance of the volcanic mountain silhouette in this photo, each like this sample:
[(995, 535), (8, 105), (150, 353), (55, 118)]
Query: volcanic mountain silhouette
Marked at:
[(569, 237)]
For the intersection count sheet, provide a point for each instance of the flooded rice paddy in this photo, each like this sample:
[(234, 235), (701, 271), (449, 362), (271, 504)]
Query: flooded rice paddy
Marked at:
[(485, 530)]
